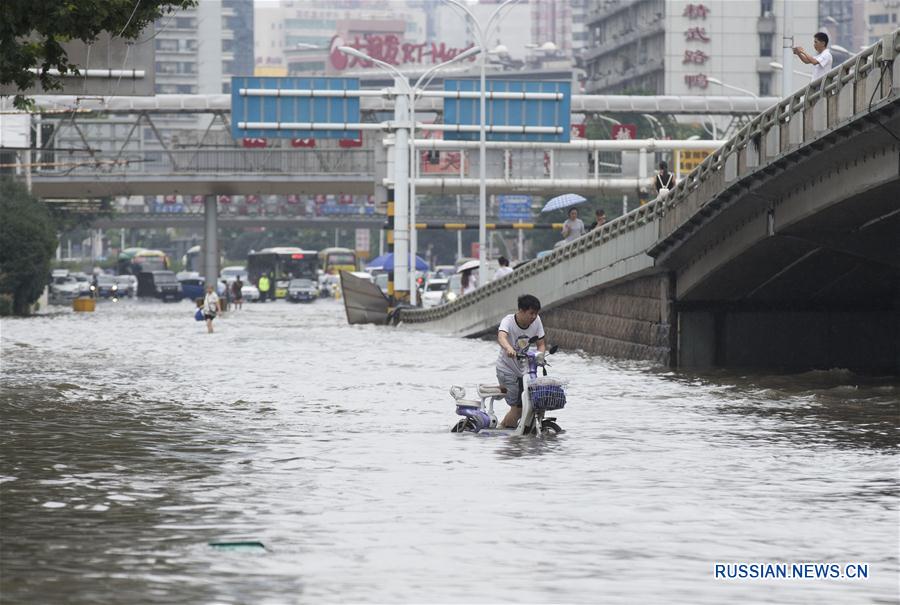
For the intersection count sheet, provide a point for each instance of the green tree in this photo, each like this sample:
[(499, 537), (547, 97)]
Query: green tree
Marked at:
[(32, 34), (27, 242)]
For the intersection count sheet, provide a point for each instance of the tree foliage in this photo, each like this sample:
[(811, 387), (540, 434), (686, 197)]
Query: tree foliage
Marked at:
[(27, 242), (32, 33)]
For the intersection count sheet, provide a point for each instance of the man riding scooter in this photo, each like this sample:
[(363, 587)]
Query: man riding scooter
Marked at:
[(513, 336)]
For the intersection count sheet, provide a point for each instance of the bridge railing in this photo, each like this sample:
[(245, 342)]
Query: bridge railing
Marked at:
[(862, 82), (206, 161), (836, 98)]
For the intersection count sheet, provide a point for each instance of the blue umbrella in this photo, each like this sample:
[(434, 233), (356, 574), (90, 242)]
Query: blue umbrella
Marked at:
[(563, 201), (385, 262)]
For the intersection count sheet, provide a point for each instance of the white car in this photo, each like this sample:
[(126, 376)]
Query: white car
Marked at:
[(229, 274), (434, 290), (250, 293), (64, 289)]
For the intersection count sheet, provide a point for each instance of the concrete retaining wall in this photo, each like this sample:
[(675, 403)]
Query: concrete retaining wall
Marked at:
[(631, 320)]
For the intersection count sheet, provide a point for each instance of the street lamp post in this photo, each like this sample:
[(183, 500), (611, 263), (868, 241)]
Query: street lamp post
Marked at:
[(779, 66), (404, 151), (482, 34), (729, 86)]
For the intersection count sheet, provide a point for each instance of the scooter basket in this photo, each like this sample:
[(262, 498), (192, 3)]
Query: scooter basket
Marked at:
[(547, 394)]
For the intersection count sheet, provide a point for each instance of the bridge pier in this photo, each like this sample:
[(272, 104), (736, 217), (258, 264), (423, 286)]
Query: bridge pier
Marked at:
[(210, 240)]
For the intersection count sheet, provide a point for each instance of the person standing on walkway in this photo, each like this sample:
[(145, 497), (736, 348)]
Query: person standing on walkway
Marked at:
[(573, 228), (599, 218), (210, 307), (664, 180), (263, 286), (504, 269), (821, 61)]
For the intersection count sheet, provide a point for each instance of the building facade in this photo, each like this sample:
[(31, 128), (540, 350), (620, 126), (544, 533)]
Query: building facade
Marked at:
[(675, 47), (199, 49)]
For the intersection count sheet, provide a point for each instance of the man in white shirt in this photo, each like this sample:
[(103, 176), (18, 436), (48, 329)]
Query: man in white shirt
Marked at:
[(822, 61), (513, 336), (504, 269)]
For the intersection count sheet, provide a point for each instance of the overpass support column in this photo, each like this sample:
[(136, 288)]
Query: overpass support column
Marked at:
[(210, 240)]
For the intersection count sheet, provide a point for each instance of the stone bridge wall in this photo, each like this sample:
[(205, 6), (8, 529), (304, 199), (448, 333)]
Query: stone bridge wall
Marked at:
[(630, 320)]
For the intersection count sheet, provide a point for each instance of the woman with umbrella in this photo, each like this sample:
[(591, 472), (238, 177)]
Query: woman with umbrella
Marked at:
[(573, 228)]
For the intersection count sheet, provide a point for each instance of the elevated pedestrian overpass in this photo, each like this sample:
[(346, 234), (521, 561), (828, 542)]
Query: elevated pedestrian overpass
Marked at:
[(779, 251)]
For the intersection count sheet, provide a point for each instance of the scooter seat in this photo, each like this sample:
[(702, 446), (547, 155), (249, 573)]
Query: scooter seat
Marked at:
[(468, 403), (491, 390)]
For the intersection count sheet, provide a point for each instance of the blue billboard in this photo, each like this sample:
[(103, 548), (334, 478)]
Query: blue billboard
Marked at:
[(276, 109), (509, 112)]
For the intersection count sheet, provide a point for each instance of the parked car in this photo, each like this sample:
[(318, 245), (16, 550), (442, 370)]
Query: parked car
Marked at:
[(229, 274), (250, 293), (454, 287), (127, 285), (302, 290), (433, 292), (63, 290), (159, 284), (84, 283), (107, 287), (192, 285)]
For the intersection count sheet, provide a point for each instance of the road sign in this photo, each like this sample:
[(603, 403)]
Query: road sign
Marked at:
[(291, 108), (686, 161), (624, 132), (514, 208), (509, 112), (362, 240)]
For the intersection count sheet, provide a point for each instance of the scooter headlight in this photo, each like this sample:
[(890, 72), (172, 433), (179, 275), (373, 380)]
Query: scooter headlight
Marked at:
[(451, 296)]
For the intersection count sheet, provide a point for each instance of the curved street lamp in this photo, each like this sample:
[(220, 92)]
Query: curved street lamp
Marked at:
[(411, 92), (482, 33)]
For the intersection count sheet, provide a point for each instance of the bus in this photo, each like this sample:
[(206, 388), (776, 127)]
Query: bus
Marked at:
[(335, 260), (283, 264), (192, 261), (132, 261)]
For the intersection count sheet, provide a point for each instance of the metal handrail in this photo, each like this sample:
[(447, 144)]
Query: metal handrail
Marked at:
[(778, 114)]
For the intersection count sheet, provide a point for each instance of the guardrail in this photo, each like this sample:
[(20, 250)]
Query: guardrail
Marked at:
[(793, 120), (231, 160)]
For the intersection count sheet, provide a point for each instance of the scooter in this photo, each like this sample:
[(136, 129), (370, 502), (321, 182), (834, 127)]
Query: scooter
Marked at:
[(539, 395)]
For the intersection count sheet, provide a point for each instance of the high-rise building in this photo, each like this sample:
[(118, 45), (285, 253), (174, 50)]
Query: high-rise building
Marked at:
[(682, 48), (881, 18), (199, 49)]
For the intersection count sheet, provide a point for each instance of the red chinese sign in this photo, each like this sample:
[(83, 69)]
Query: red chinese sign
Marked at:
[(696, 80), (303, 142), (389, 49), (695, 11), (254, 142), (624, 132), (696, 34), (695, 56)]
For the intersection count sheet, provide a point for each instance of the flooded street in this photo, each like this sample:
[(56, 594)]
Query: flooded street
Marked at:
[(131, 439)]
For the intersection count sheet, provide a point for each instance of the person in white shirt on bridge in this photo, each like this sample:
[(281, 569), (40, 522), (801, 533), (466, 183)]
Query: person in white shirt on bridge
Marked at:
[(504, 269), (823, 60), (573, 228)]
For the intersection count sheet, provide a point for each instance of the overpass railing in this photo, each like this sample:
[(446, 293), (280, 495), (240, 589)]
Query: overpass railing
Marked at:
[(867, 80), (838, 97), (213, 161)]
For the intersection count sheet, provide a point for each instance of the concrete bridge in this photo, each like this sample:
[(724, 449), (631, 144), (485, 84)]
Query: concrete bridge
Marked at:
[(780, 251)]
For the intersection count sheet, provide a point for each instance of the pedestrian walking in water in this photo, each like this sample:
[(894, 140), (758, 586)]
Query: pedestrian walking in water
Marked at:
[(263, 285), (237, 294), (210, 307)]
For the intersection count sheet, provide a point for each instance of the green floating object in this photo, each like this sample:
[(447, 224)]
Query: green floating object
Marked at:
[(240, 545)]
